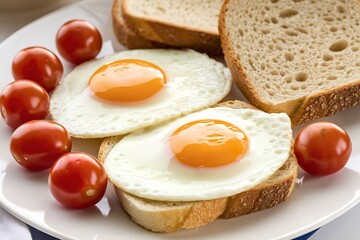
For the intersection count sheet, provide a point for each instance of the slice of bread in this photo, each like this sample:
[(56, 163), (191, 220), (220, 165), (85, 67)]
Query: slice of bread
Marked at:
[(301, 57), (160, 216), (125, 35), (183, 24)]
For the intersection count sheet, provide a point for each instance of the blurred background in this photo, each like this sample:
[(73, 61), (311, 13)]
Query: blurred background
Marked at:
[(16, 13)]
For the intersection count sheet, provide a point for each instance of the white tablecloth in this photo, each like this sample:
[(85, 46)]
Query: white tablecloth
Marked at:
[(12, 228), (345, 227)]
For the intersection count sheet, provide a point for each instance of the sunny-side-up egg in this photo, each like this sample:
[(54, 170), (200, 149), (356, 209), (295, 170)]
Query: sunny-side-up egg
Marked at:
[(212, 153), (133, 89)]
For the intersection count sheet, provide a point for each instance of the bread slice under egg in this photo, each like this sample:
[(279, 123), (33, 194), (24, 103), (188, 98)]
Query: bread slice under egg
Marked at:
[(170, 216)]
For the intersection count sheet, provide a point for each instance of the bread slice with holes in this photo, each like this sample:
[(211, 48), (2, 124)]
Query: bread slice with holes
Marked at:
[(125, 35), (301, 57), (170, 216), (182, 24)]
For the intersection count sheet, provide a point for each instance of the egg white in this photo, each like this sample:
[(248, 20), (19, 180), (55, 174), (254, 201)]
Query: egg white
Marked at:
[(142, 162), (195, 81)]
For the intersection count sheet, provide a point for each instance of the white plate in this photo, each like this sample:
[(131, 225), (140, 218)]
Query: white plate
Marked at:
[(315, 201)]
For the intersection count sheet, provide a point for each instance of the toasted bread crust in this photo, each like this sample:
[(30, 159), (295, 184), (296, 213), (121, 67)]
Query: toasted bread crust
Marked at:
[(162, 216), (265, 195), (172, 35), (106, 145), (327, 103), (126, 36), (318, 105)]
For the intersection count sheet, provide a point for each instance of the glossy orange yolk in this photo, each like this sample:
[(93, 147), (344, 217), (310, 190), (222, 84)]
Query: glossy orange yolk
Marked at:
[(127, 80), (208, 143)]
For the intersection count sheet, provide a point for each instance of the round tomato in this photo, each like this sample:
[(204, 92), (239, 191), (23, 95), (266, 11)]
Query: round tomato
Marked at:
[(22, 101), (322, 148), (77, 180), (38, 64), (37, 144), (78, 41)]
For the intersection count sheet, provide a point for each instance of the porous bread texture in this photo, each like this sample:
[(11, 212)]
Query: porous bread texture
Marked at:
[(183, 24), (166, 216), (125, 35), (301, 57), (196, 14)]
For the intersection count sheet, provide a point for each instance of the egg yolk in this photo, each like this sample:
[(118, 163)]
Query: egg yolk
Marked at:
[(127, 80), (208, 143)]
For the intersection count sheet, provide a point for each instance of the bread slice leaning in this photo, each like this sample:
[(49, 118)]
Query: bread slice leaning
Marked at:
[(161, 216), (300, 57), (182, 24), (125, 35)]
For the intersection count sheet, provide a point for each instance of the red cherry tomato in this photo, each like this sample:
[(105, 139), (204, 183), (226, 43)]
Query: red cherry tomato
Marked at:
[(78, 41), (38, 64), (37, 144), (322, 148), (22, 101), (77, 180)]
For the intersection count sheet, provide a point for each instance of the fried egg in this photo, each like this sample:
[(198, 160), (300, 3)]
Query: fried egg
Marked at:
[(209, 154), (129, 90)]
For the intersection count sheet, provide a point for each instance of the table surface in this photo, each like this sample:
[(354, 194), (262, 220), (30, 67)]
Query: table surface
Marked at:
[(344, 227)]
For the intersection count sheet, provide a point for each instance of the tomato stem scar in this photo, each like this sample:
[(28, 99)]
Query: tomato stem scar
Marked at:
[(3, 111), (90, 192)]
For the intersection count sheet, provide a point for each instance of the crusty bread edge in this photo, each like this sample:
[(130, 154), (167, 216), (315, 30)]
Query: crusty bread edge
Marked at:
[(171, 34), (321, 104), (327, 103), (126, 36), (198, 213)]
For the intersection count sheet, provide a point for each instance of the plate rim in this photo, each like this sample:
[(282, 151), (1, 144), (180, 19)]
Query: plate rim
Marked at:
[(9, 207)]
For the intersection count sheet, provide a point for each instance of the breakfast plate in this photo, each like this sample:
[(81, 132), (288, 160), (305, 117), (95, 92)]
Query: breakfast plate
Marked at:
[(314, 202)]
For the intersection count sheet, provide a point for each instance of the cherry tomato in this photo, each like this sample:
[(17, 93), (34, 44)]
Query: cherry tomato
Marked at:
[(22, 101), (322, 148), (77, 180), (37, 144), (38, 64), (78, 41)]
